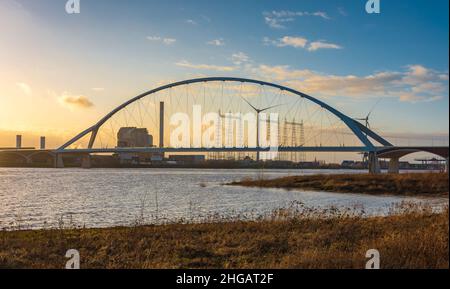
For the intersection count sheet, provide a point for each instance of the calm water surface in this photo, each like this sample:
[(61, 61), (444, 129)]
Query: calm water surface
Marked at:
[(40, 198)]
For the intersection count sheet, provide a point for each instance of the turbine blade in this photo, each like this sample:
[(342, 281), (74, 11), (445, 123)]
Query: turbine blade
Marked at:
[(270, 107), (249, 104), (373, 107)]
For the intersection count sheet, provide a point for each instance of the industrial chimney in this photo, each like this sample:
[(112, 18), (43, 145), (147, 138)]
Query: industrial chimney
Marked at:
[(42, 142), (18, 141), (161, 124)]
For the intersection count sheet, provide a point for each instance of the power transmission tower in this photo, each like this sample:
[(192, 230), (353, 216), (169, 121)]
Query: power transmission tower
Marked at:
[(294, 140), (285, 139), (302, 142), (297, 130)]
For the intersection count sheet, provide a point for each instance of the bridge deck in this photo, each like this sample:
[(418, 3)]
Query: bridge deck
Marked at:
[(383, 152), (398, 152)]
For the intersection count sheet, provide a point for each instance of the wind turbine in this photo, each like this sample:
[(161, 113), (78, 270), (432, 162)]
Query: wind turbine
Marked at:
[(367, 123), (258, 111), (366, 119)]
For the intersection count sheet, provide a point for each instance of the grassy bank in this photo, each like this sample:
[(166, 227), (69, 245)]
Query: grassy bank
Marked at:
[(423, 184), (411, 240)]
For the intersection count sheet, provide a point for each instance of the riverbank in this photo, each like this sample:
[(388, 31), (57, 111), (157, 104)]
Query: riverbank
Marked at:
[(413, 184), (414, 239)]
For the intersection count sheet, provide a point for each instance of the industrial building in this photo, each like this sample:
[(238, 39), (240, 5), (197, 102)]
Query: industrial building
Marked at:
[(139, 137), (134, 137), (128, 137)]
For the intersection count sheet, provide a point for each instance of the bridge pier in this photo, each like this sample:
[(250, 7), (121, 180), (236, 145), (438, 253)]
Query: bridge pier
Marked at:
[(374, 164), (58, 161), (86, 161), (394, 166)]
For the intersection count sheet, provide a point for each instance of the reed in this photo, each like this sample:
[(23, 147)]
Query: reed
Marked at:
[(295, 237), (424, 184)]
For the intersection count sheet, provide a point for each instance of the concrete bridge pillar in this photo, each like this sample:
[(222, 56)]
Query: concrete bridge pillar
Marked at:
[(374, 164), (86, 161), (394, 166), (59, 162)]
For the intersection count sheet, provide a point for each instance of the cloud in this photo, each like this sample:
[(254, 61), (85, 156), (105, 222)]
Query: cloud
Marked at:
[(205, 18), (411, 97), (192, 22), (287, 13), (418, 71), (154, 38), (283, 72), (300, 42), (316, 45), (98, 89), (216, 42), (25, 88), (166, 41), (277, 23), (414, 84), (79, 101), (169, 41), (239, 58), (292, 41), (321, 14), (342, 11), (277, 19), (184, 63)]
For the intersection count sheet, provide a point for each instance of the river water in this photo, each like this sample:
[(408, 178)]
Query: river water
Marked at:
[(40, 198)]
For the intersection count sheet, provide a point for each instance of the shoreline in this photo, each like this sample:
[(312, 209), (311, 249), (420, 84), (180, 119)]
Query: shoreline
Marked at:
[(407, 184), (364, 170), (285, 242), (212, 165)]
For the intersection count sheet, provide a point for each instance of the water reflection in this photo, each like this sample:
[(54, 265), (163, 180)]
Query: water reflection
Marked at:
[(39, 198)]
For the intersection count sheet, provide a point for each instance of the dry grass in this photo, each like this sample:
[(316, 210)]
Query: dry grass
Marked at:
[(411, 240), (425, 184)]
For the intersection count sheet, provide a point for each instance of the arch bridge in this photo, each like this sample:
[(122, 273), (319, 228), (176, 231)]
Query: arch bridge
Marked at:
[(302, 124)]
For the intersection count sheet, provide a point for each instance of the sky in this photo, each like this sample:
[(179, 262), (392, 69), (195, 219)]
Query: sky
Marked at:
[(60, 72)]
